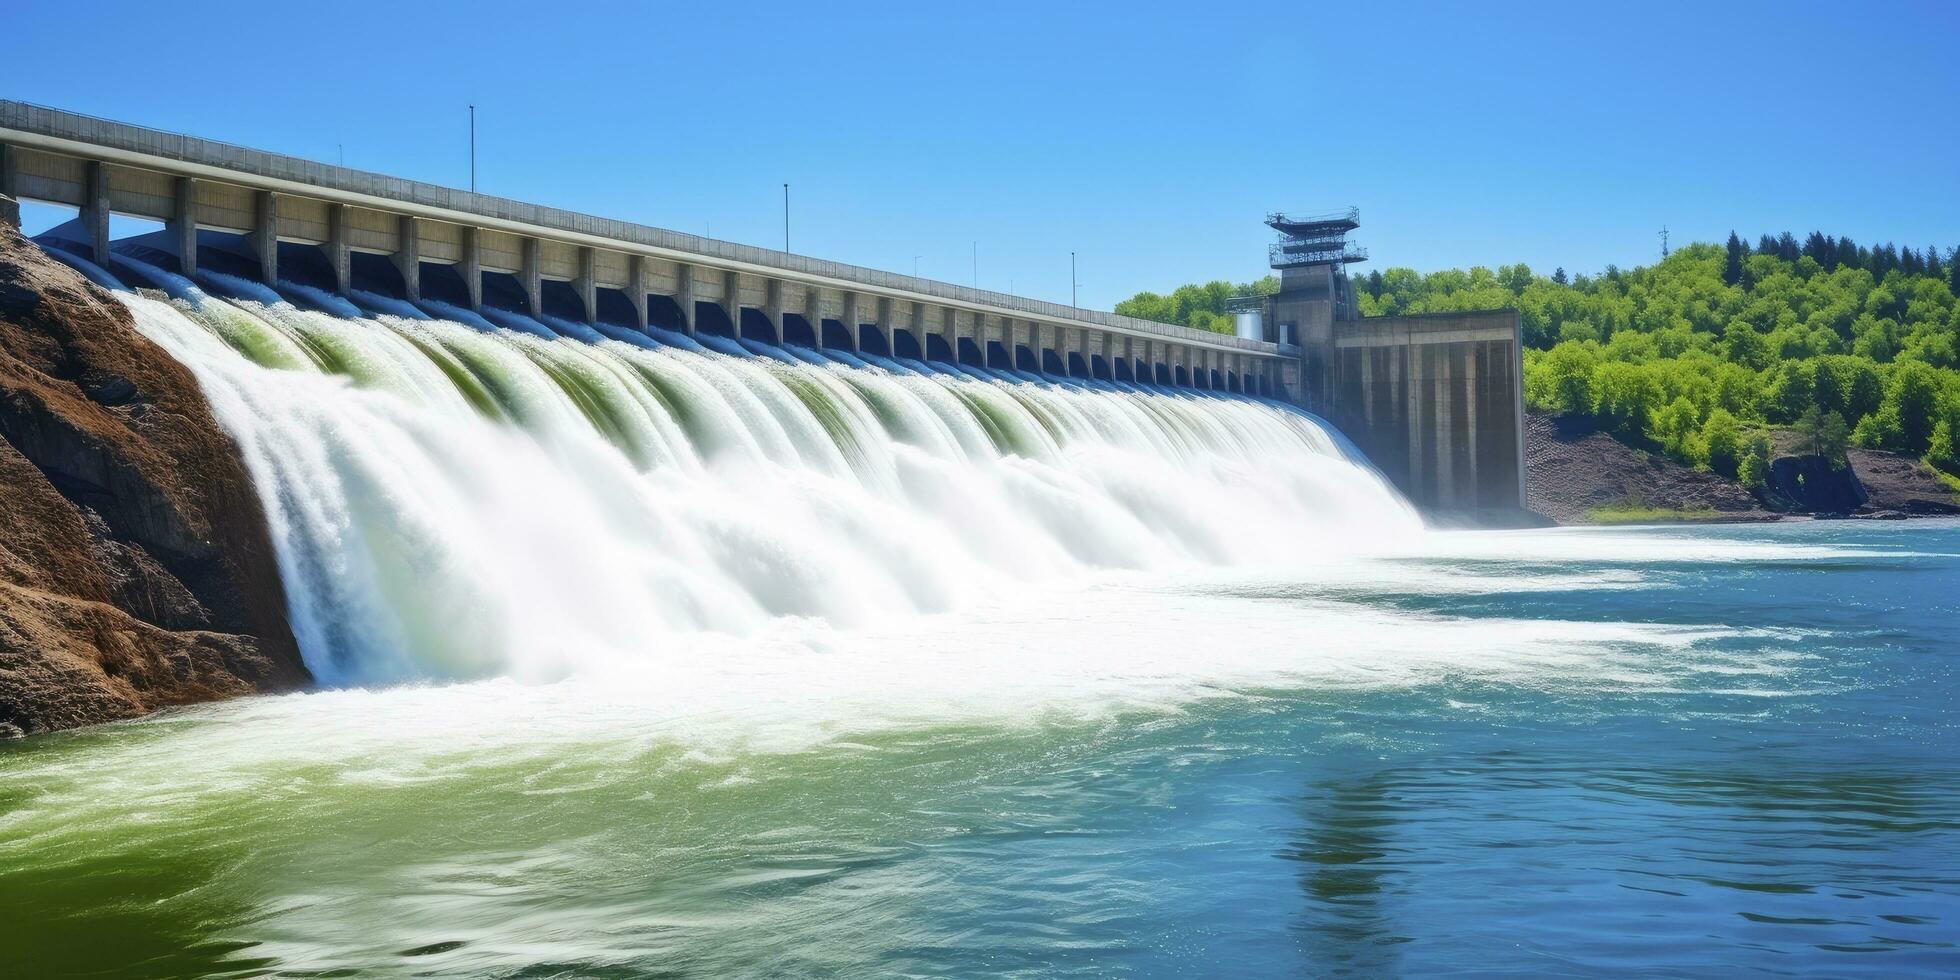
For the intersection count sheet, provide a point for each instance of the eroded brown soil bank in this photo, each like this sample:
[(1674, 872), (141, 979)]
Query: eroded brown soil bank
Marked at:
[(136, 570), (1577, 471)]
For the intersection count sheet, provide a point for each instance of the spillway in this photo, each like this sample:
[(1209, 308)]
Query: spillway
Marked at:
[(460, 496)]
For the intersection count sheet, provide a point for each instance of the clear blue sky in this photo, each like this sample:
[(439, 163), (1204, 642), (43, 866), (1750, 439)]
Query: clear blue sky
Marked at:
[(1150, 139)]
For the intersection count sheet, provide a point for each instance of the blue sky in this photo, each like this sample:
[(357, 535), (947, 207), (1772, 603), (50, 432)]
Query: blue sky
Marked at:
[(1151, 139)]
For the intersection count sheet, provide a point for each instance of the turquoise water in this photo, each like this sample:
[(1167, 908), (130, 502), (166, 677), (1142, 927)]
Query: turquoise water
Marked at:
[(1702, 752)]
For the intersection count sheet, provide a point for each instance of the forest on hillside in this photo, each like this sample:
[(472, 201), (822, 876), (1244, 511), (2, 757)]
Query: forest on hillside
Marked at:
[(1697, 354)]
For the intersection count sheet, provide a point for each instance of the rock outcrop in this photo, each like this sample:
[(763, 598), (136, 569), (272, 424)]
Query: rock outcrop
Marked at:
[(1813, 484), (136, 570), (1898, 484), (1575, 468)]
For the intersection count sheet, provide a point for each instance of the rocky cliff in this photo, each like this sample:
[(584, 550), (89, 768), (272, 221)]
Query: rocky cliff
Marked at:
[(136, 570), (1577, 471)]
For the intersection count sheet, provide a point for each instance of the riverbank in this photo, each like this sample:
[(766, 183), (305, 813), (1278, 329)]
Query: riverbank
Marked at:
[(1580, 475), (136, 571)]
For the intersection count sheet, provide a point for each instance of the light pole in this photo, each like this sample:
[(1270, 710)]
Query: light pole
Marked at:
[(472, 149), (976, 265), (915, 265), (1072, 284), (785, 217)]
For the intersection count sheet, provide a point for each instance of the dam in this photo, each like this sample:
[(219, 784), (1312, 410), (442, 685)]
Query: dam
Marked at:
[(1436, 405)]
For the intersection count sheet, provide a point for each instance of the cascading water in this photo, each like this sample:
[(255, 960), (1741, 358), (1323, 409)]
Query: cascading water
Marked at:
[(453, 498)]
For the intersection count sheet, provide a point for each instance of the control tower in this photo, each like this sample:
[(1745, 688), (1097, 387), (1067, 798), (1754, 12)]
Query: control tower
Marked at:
[(1435, 400), (1312, 256)]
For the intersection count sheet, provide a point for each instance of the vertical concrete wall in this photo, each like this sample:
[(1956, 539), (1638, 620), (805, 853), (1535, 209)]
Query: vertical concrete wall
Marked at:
[(9, 201), (1437, 402)]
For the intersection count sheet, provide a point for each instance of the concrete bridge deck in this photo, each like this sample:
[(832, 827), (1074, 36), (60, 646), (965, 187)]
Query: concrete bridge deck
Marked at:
[(630, 273)]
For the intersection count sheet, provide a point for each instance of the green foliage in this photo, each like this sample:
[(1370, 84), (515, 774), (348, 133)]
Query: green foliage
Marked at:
[(1721, 443), (1202, 307), (1764, 334), (1915, 395), (1822, 433), (1753, 471), (1743, 345), (1635, 513), (1942, 449), (1677, 430)]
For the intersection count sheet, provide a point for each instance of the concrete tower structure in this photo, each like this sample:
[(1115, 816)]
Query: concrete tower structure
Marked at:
[(1435, 400)]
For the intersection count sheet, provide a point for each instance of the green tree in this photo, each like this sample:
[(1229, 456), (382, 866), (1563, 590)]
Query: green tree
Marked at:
[(1721, 441), (1677, 430), (1914, 398), (1743, 345), (1793, 390), (1732, 268), (1625, 398), (1822, 433), (1753, 470), (1942, 451), (1880, 430)]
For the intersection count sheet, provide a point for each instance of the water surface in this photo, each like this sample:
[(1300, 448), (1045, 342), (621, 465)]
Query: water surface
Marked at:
[(1700, 751)]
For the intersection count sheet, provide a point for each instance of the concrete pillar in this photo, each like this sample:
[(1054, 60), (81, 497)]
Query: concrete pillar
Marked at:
[(265, 236), (339, 257), (1445, 441), (1470, 423), (182, 225), (95, 214), (772, 305), (531, 277), (1513, 378), (731, 286), (587, 283), (408, 256), (849, 318), (813, 311), (684, 296), (9, 192), (636, 289), (472, 267), (1412, 369)]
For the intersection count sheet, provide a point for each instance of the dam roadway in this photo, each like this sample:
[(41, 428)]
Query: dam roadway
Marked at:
[(296, 219)]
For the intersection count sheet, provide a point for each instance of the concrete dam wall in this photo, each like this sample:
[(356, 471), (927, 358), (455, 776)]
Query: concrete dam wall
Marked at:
[(1435, 402), (284, 217)]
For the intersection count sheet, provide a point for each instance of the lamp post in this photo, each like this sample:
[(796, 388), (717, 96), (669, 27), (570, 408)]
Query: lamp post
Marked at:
[(785, 217), (472, 149)]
